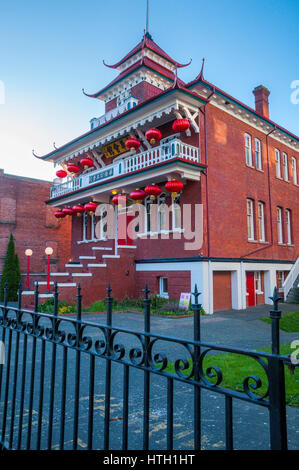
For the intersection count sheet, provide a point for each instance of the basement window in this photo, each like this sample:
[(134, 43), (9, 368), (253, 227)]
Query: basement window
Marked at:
[(164, 287)]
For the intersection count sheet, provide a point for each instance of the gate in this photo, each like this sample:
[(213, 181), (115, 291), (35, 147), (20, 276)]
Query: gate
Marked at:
[(70, 383)]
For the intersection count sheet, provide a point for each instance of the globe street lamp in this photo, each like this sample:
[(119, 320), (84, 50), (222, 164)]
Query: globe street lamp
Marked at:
[(28, 253), (49, 252)]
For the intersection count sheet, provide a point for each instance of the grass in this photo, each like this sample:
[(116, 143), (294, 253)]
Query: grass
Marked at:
[(235, 368), (289, 322)]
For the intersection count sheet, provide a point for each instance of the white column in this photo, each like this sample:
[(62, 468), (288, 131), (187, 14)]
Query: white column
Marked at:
[(270, 283), (236, 286)]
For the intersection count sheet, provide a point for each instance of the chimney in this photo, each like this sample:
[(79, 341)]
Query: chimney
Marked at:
[(261, 94)]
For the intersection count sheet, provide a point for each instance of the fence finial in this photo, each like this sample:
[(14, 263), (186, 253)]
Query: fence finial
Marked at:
[(146, 291), (196, 294)]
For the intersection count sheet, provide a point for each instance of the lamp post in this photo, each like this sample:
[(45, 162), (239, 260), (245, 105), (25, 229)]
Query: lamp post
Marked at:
[(49, 252), (28, 253)]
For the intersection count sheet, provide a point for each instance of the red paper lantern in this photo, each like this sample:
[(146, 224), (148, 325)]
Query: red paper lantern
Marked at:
[(181, 125), (59, 215), (133, 144), (153, 191), (78, 209), (73, 169), (174, 186), (153, 136), (86, 163), (120, 200), (61, 174), (68, 211), (138, 195), (90, 207)]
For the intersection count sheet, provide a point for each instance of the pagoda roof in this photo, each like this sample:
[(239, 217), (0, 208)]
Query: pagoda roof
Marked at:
[(147, 42), (143, 62)]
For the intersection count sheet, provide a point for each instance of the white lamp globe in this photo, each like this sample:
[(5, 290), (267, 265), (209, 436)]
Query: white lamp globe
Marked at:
[(49, 251)]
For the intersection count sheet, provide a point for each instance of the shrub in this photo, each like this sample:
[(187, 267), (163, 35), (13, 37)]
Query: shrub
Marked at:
[(11, 272)]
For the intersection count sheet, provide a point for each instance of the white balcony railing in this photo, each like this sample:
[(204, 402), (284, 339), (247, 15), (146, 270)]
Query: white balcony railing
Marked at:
[(168, 151)]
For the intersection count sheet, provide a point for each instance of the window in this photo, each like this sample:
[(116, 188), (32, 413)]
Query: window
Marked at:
[(250, 219), (248, 152), (280, 280), (288, 226), (164, 287), (176, 214), (258, 282), (148, 214), (285, 167), (294, 170), (258, 154), (261, 221), (279, 225), (162, 213), (277, 163)]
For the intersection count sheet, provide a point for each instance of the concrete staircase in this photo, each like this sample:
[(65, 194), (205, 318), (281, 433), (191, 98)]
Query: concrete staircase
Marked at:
[(293, 294), (93, 271)]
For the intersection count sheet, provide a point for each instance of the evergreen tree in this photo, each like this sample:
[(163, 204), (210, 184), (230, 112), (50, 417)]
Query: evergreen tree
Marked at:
[(11, 272)]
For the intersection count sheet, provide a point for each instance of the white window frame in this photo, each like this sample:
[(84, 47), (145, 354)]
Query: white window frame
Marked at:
[(258, 153), (289, 226), (261, 221), (294, 170), (281, 278), (250, 219), (279, 225), (258, 282), (285, 166), (277, 164), (163, 293), (248, 150)]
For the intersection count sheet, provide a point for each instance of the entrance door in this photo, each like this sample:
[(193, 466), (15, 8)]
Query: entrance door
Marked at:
[(123, 222), (250, 288)]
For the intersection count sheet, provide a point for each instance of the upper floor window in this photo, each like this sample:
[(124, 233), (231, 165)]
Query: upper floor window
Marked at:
[(279, 225), (248, 150), (277, 163), (250, 219), (289, 226), (294, 170), (285, 167), (258, 154), (261, 221)]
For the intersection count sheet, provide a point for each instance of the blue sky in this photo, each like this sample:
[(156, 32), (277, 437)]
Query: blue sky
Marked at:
[(50, 50)]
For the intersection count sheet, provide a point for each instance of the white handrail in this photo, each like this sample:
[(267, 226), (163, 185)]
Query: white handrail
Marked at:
[(290, 279), (168, 151)]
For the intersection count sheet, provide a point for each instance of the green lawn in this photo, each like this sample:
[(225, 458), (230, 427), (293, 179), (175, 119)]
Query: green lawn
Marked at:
[(235, 368), (289, 322)]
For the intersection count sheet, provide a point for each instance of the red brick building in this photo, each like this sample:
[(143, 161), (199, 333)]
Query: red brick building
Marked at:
[(33, 225), (235, 163)]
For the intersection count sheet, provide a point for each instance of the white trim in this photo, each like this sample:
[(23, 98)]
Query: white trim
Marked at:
[(97, 265)]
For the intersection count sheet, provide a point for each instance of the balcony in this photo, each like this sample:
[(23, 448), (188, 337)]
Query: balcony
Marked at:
[(167, 152)]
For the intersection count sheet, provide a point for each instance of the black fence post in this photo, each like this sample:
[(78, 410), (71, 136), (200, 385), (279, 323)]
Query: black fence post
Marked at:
[(196, 307), (53, 369), (147, 329), (36, 296), (277, 409), (109, 301), (77, 369)]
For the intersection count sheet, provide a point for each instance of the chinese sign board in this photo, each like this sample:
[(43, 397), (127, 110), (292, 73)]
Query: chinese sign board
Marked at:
[(184, 301), (115, 148)]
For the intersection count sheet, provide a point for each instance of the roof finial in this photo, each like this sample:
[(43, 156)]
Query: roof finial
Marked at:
[(147, 17)]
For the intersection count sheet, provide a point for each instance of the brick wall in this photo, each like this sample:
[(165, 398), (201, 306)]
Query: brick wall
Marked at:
[(24, 213)]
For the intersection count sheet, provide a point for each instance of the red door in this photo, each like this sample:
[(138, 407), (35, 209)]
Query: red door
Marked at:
[(250, 288), (123, 222)]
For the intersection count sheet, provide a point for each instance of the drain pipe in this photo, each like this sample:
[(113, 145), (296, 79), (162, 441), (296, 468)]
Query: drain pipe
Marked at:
[(270, 201)]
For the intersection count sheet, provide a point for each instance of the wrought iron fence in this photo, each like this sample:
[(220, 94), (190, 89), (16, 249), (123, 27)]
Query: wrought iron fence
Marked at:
[(58, 383)]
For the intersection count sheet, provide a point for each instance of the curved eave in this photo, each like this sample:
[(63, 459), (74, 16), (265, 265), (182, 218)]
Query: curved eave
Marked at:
[(94, 131), (242, 105)]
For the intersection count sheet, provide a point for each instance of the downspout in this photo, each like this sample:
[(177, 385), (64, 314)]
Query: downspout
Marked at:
[(270, 202)]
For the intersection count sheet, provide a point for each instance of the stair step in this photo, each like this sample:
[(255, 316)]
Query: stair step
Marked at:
[(87, 257), (111, 256), (74, 265), (127, 246), (59, 274), (81, 274), (97, 265), (101, 248), (66, 284), (44, 283)]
